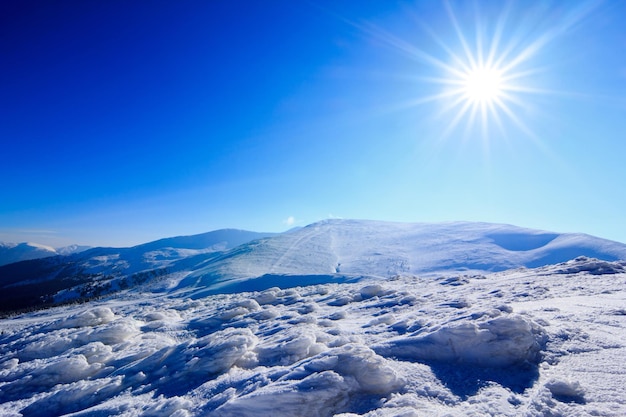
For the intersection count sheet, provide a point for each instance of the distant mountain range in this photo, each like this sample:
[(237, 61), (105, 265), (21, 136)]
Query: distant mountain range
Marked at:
[(226, 261), (54, 278), (16, 252)]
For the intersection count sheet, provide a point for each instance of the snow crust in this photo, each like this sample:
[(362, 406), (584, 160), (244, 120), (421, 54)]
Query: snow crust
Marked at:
[(497, 342), (524, 342)]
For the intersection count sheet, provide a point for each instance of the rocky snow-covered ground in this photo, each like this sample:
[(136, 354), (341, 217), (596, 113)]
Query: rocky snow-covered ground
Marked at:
[(527, 342)]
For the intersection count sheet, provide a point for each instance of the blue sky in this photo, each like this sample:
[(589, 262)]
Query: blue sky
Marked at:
[(123, 122)]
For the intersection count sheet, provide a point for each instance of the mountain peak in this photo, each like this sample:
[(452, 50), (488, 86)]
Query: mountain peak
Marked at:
[(15, 252), (385, 249)]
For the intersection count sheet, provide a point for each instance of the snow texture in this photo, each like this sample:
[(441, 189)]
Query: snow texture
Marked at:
[(526, 342)]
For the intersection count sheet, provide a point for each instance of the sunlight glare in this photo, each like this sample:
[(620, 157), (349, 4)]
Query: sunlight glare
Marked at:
[(488, 74), (483, 85)]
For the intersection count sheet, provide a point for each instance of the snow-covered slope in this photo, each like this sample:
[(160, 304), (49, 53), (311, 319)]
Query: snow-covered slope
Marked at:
[(217, 240), (344, 248), (542, 342), (15, 252)]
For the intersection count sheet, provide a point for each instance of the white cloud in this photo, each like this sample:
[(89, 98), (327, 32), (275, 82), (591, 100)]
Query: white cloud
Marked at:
[(290, 221)]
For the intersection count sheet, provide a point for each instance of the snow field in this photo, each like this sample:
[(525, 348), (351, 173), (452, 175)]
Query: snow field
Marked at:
[(545, 342)]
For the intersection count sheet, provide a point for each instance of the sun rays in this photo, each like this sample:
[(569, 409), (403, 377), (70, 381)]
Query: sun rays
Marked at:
[(484, 79), (480, 70)]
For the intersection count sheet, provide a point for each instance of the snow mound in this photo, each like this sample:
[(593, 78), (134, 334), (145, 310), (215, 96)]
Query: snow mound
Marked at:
[(499, 342), (219, 352), (591, 266), (565, 390), (322, 385), (88, 318)]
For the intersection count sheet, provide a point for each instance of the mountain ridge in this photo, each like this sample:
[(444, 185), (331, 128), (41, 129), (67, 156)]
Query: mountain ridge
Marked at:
[(101, 270), (334, 250), (385, 249)]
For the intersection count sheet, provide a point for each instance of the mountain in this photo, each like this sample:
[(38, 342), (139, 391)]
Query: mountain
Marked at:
[(217, 240), (97, 271), (341, 249), (226, 261), (15, 252), (68, 250)]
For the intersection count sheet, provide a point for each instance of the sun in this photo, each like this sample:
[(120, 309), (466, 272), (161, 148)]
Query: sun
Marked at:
[(483, 89), (480, 78), (482, 72), (483, 85)]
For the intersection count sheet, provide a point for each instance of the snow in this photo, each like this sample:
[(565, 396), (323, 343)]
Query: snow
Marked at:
[(329, 251), (397, 334), (533, 342), (498, 342), (68, 250)]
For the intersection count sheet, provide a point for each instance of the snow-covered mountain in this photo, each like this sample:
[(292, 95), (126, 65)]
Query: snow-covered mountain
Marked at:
[(16, 252), (97, 271), (329, 251), (68, 250), (340, 318), (341, 249)]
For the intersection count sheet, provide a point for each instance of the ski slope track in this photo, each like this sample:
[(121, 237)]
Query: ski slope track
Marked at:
[(340, 318)]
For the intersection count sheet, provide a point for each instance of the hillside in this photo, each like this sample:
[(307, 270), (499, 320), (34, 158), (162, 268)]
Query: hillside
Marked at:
[(341, 249), (98, 271), (340, 318)]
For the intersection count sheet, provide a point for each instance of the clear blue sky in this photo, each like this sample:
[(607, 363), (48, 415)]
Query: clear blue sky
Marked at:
[(127, 121)]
